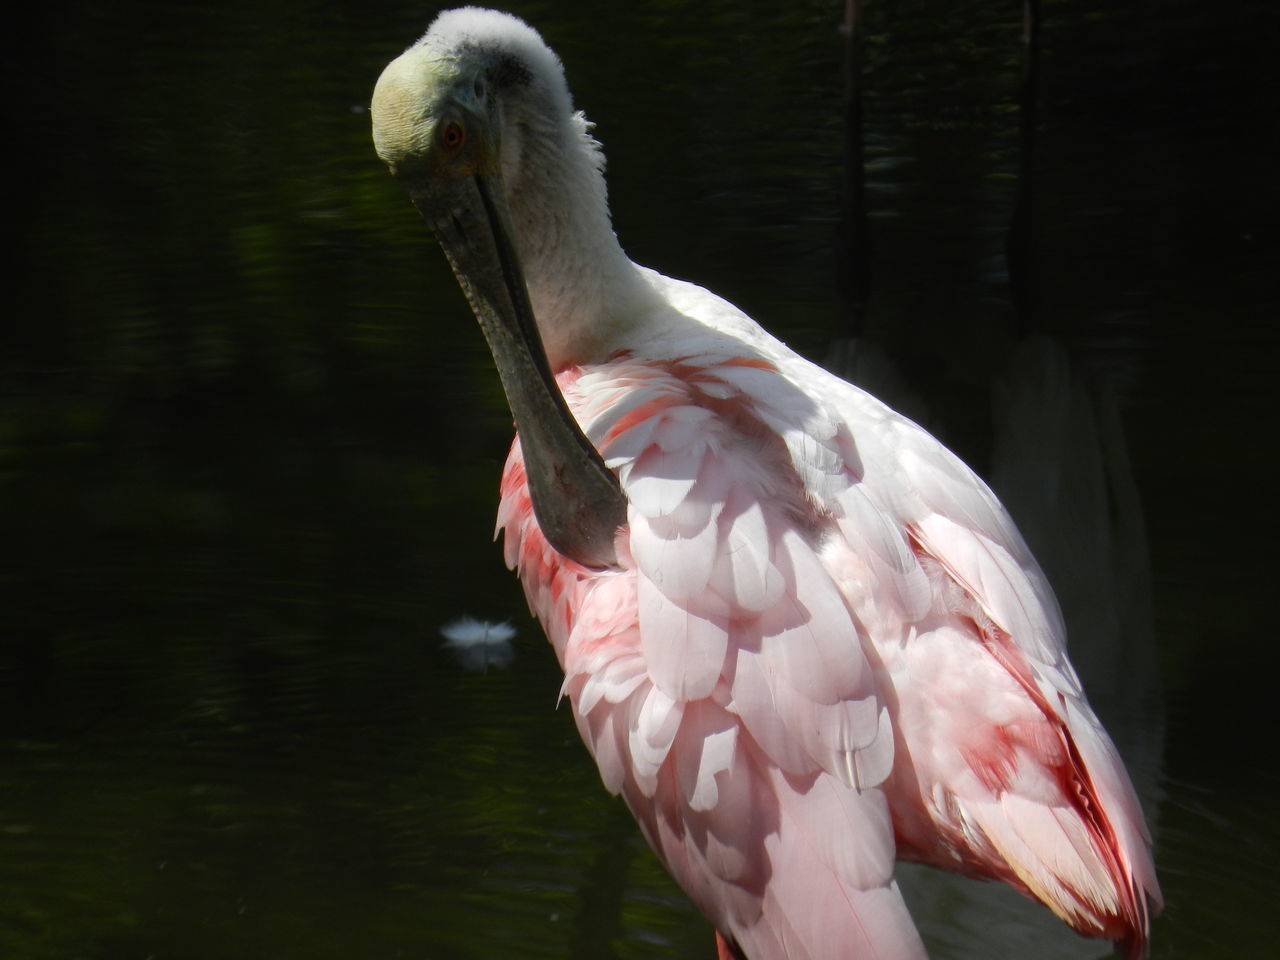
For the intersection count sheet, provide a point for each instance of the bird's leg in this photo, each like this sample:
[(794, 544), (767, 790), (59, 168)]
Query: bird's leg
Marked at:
[(853, 268), (727, 949), (1019, 244)]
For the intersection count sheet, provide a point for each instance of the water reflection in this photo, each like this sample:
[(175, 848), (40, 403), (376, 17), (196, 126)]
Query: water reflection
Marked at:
[(249, 445)]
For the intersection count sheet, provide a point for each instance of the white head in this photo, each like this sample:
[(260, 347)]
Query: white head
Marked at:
[(489, 73), (476, 122), (489, 77)]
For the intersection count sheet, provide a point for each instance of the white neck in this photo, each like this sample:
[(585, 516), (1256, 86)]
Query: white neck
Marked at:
[(586, 294)]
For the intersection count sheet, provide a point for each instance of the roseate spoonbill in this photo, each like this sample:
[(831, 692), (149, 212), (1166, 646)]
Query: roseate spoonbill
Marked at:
[(799, 636)]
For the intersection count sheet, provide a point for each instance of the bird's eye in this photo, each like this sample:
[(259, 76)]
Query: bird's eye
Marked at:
[(452, 136)]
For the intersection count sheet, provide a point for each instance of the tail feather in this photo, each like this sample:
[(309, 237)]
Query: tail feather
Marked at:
[(1057, 857)]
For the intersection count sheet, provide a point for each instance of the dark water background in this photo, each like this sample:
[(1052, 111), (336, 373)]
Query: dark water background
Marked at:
[(250, 440)]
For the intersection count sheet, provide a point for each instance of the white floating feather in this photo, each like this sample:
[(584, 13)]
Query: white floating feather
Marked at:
[(479, 644)]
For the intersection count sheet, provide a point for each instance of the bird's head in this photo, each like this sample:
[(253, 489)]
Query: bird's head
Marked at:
[(433, 117), (466, 98), (474, 113)]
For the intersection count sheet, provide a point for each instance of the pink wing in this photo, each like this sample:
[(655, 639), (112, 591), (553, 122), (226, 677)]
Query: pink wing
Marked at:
[(825, 632), (1002, 769)]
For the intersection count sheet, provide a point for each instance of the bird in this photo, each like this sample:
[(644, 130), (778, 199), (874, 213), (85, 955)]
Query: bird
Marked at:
[(800, 637)]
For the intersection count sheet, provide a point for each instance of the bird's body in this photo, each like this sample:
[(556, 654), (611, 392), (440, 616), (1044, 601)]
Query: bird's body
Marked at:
[(817, 642), (824, 639)]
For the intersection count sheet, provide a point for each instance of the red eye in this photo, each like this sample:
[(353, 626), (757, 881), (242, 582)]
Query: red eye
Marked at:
[(452, 136)]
